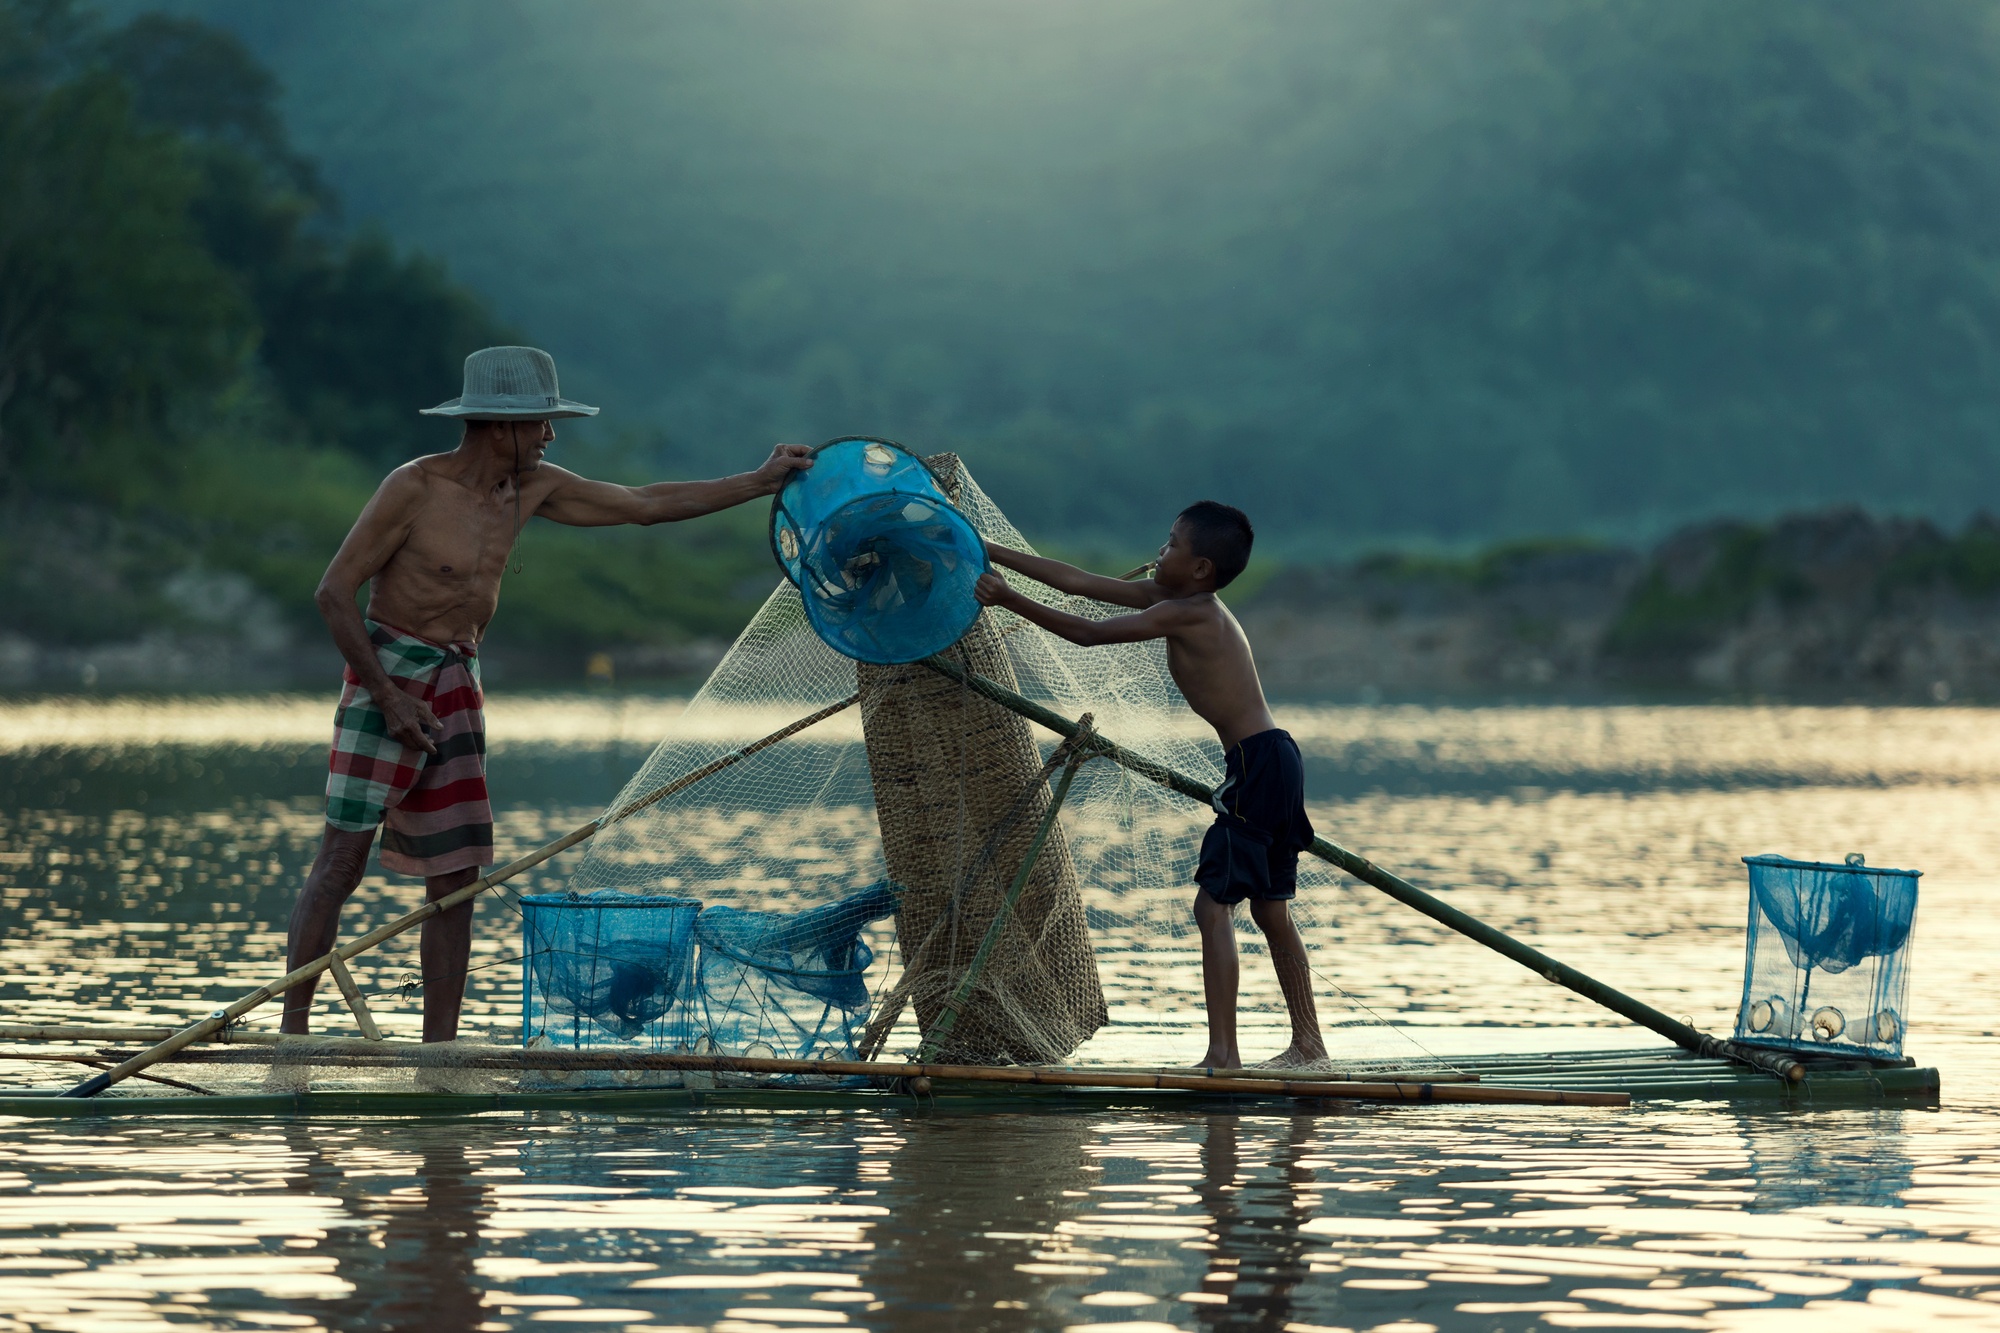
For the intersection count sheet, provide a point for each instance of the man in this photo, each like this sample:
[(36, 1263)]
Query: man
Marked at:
[(409, 746)]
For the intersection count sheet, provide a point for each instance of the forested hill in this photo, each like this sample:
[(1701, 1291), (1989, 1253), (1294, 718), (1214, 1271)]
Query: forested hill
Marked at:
[(205, 368), (1440, 270)]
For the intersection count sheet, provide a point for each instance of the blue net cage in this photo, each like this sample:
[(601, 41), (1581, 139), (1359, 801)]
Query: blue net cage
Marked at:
[(1827, 965), (607, 969), (883, 561), (790, 984)]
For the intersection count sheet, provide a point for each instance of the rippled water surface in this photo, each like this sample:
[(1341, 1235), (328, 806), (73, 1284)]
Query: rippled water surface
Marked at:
[(148, 853)]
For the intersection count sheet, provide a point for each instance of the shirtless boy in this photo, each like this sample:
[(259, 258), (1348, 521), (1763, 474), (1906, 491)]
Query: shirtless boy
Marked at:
[(409, 744), (1252, 850)]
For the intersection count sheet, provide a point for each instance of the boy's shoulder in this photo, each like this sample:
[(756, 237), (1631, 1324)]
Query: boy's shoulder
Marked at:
[(1206, 603), (1197, 608)]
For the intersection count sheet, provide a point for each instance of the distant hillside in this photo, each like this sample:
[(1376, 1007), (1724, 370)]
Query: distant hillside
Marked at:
[(1830, 605), (204, 374), (1443, 271)]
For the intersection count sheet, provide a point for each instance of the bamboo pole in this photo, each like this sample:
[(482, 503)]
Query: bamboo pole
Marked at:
[(356, 1054), (352, 994), (155, 1078), (1562, 974), (223, 1017), (948, 1016), (1322, 1076)]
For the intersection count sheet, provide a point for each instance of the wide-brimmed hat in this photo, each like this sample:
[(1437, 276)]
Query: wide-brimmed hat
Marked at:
[(510, 384)]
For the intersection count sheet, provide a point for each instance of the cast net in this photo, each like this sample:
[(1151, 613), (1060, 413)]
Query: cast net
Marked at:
[(909, 824)]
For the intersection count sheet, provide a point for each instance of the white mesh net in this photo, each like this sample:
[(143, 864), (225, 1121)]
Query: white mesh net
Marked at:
[(795, 827)]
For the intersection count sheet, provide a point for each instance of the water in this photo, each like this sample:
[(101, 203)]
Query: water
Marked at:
[(148, 854)]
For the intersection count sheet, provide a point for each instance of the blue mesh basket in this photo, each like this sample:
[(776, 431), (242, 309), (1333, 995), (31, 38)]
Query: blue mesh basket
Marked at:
[(606, 969), (1827, 963), (793, 983), (884, 562)]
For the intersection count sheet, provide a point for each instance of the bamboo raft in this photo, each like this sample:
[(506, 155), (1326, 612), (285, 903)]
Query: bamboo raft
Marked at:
[(1601, 1079), (1696, 1067)]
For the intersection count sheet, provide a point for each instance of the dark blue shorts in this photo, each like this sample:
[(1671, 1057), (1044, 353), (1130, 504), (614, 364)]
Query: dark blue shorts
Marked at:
[(1252, 849)]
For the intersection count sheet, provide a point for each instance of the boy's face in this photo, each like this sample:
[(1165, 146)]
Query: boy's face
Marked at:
[(1180, 569)]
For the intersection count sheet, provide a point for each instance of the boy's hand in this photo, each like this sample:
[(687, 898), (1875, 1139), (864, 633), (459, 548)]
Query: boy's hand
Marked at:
[(992, 590)]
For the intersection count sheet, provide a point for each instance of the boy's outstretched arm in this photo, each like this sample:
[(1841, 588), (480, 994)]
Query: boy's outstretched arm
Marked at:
[(1081, 582), (1155, 622)]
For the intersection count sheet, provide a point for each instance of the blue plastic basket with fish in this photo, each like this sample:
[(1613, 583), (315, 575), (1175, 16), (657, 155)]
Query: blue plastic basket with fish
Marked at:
[(884, 562), (1827, 965)]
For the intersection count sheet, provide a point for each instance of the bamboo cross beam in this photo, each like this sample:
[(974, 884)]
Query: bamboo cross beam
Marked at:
[(350, 992), (1562, 974), (363, 1054), (254, 1048), (222, 1018)]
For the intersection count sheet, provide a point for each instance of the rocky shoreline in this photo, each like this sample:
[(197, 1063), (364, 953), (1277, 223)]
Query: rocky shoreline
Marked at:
[(1822, 606)]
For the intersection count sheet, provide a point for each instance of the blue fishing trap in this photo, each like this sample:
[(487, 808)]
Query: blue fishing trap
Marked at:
[(790, 982), (884, 562), (1827, 965), (606, 969)]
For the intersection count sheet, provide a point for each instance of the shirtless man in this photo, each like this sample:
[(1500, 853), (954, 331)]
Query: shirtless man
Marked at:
[(409, 746), (1252, 850)]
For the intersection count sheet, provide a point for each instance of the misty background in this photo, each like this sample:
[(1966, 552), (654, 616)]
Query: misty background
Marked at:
[(1431, 274), (1444, 270)]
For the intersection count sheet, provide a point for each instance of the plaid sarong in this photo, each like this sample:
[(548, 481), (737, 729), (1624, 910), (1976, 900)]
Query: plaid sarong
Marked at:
[(438, 818)]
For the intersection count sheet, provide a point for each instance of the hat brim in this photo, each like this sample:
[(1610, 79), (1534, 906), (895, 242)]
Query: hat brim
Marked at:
[(456, 408)]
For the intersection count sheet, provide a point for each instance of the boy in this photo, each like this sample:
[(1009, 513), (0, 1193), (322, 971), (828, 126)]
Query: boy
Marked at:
[(1252, 851)]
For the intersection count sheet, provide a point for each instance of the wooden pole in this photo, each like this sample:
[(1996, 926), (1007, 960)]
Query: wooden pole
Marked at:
[(223, 1017), (389, 1047), (356, 1054), (948, 1016), (85, 1032), (1562, 974), (352, 994)]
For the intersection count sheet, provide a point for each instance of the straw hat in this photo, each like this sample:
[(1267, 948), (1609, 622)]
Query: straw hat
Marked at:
[(510, 384)]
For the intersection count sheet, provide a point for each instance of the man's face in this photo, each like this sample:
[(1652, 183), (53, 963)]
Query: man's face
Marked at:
[(524, 442)]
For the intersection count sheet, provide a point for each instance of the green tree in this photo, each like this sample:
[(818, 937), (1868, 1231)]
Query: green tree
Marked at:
[(111, 307)]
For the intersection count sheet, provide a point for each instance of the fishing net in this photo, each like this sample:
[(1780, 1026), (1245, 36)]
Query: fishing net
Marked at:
[(787, 984), (873, 859), (927, 785), (1826, 967), (607, 969)]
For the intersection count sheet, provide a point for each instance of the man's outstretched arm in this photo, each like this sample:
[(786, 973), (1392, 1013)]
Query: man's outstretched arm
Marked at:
[(1136, 593), (1155, 622), (583, 503)]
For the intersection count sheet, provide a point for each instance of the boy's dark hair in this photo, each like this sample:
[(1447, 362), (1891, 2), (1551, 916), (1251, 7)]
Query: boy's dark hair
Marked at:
[(1222, 534)]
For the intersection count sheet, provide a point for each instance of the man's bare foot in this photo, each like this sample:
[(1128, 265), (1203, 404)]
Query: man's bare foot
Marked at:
[(1297, 1057), (1220, 1060)]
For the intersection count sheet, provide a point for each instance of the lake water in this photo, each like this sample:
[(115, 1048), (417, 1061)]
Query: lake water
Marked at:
[(149, 851)]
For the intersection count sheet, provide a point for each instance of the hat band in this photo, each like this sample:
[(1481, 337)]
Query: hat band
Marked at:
[(477, 401)]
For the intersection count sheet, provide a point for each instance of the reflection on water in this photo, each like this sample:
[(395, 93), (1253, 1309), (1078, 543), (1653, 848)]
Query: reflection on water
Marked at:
[(1004, 1222), (1607, 836)]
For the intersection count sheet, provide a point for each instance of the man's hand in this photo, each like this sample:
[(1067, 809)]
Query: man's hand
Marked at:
[(992, 590), (410, 720), (785, 459)]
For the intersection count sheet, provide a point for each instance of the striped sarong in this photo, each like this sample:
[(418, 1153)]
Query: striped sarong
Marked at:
[(435, 809)]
